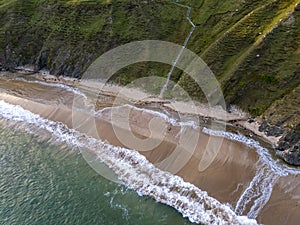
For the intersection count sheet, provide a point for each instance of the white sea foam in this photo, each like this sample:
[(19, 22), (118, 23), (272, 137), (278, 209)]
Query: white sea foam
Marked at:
[(68, 88), (119, 206), (135, 171), (268, 171), (26, 68), (275, 165), (74, 90), (259, 191), (165, 117), (265, 156)]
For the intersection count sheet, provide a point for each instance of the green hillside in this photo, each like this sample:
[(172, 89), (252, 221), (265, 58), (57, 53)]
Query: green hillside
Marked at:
[(253, 47)]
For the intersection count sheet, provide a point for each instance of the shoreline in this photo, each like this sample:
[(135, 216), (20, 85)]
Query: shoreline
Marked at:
[(237, 119), (136, 171), (59, 113), (235, 159)]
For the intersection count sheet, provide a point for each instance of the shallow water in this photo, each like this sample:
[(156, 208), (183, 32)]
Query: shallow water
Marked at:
[(133, 169), (243, 174), (46, 184)]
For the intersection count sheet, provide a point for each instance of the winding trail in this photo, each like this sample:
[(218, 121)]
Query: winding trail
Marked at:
[(165, 87)]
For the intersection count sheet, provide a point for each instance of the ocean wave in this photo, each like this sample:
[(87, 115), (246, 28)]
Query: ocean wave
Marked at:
[(68, 88), (165, 117), (265, 156), (258, 191), (135, 171), (268, 170)]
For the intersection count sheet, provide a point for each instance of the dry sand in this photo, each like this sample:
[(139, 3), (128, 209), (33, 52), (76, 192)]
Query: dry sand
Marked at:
[(139, 97), (225, 179), (216, 174)]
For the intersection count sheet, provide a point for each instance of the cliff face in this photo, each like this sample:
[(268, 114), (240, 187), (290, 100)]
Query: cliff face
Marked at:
[(253, 47)]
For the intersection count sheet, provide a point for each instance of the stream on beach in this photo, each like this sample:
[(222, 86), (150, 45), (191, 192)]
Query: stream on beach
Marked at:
[(50, 174)]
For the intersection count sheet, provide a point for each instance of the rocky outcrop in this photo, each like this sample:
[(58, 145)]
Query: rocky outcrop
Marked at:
[(271, 130), (289, 146)]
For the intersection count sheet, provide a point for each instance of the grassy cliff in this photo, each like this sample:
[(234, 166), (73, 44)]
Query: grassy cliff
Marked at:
[(253, 47)]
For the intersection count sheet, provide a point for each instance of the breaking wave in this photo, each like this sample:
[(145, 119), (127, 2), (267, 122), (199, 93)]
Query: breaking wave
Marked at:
[(165, 117), (258, 192), (265, 156), (68, 88), (134, 170), (268, 170)]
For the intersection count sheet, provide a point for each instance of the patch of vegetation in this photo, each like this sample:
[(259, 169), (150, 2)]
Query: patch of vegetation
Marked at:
[(271, 69), (251, 46)]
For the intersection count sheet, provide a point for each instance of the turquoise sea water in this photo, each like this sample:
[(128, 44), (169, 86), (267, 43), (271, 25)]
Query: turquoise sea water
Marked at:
[(41, 183)]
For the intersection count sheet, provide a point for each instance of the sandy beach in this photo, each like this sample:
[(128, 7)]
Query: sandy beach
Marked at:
[(225, 179)]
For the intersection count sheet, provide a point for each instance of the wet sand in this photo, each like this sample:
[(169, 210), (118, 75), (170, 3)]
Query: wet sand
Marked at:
[(225, 179), (284, 204), (139, 97)]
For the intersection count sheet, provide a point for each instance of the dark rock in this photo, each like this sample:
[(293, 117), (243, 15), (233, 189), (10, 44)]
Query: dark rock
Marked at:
[(263, 126), (274, 131), (292, 158), (289, 147), (42, 60), (250, 120), (294, 149), (279, 123), (289, 140), (292, 138), (282, 121), (283, 145)]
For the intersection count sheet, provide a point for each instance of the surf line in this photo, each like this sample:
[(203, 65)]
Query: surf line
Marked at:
[(268, 171), (258, 192), (133, 170), (188, 17)]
